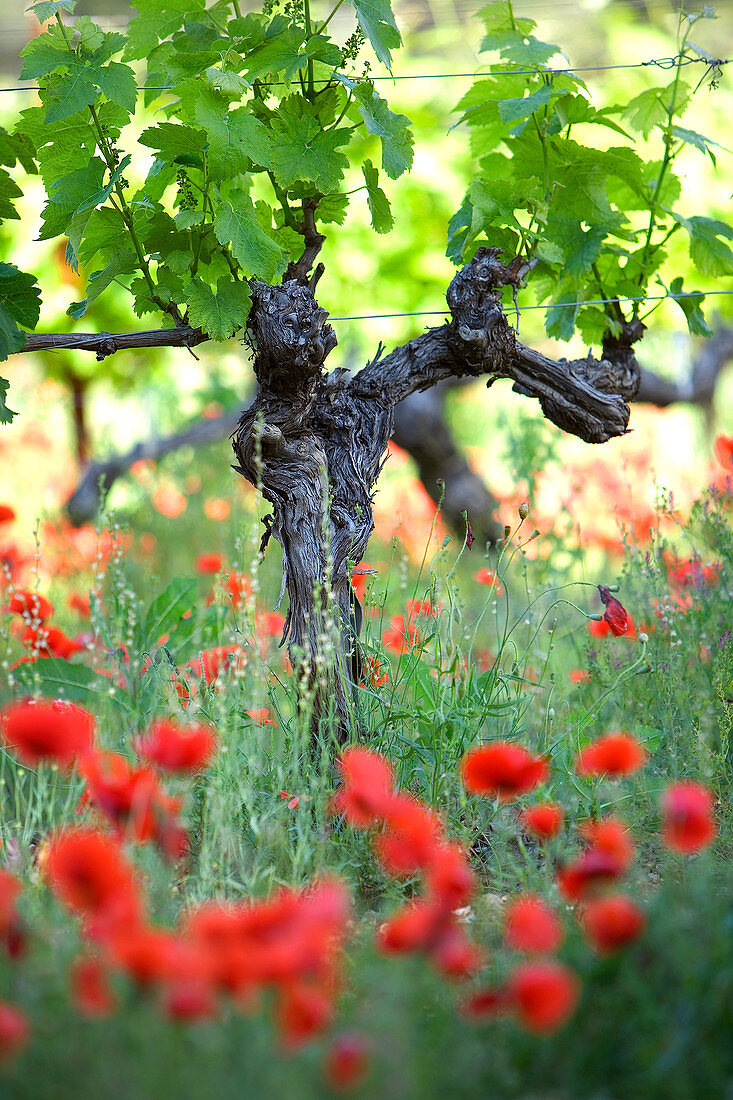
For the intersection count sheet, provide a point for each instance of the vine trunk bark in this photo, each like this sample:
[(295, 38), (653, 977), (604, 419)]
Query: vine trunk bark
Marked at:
[(314, 443)]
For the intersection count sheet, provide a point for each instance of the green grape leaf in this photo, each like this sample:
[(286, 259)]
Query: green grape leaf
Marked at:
[(511, 110), (221, 312), (710, 255), (123, 263), (237, 139), (68, 145), (692, 309), (67, 194), (377, 21), (382, 220), (285, 54), (458, 229), (236, 225), (72, 92), (302, 151), (9, 191), (118, 83), (20, 304), (691, 137), (392, 129), (46, 9), (155, 21), (6, 414), (44, 54), (171, 141)]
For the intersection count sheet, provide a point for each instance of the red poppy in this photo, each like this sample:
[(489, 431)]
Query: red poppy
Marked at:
[(489, 577), (14, 1031), (217, 508), (367, 788), (615, 754), (724, 451), (209, 563), (212, 661), (29, 604), (188, 1000), (416, 926), (238, 588), (415, 608), (454, 955), (56, 732), (261, 716), (169, 501), (91, 993), (80, 604), (132, 799), (12, 933), (177, 748), (89, 873), (688, 823), (448, 877), (615, 615), (7, 514), (485, 1004), (612, 922), (400, 635), (360, 578), (302, 1011), (373, 672), (270, 624), (612, 836), (544, 995), (503, 770), (49, 641), (531, 925), (544, 820), (413, 832), (346, 1063), (150, 956), (580, 675), (607, 858)]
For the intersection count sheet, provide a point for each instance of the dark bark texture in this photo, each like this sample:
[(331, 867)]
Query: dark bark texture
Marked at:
[(314, 443)]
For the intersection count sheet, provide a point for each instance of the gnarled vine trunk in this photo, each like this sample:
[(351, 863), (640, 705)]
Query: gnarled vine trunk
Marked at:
[(314, 442)]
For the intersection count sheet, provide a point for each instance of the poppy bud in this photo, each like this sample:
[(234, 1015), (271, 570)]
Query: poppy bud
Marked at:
[(524, 509)]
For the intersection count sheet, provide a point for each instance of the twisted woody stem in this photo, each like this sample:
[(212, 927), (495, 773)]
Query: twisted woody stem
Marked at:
[(314, 442)]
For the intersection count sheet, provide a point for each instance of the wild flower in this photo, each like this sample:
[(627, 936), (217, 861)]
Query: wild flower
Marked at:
[(543, 995), (31, 605), (688, 822), (346, 1063), (544, 820), (615, 614), (12, 930), (607, 857), (611, 922), (177, 748), (38, 732), (14, 1031), (531, 925), (489, 577), (209, 563), (88, 872), (503, 769), (90, 990), (367, 788), (616, 754)]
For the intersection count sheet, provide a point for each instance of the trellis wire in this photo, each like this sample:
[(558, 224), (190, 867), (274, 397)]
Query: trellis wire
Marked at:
[(659, 62), (553, 305)]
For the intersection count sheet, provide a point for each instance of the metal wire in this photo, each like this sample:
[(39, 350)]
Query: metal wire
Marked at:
[(659, 62), (553, 305)]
